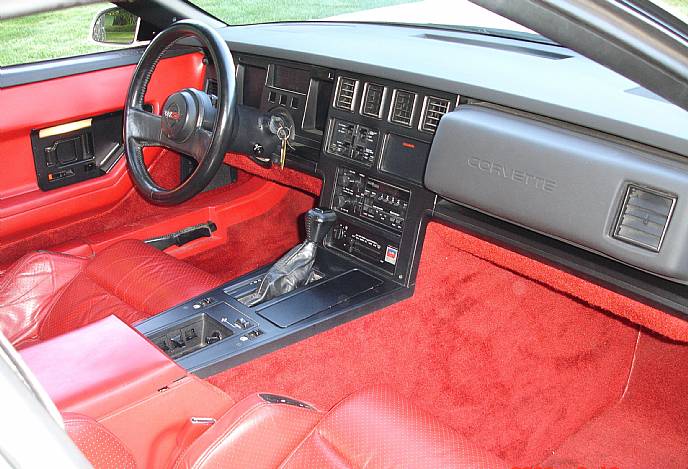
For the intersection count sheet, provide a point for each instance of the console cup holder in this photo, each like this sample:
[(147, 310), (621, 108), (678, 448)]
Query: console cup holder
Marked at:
[(193, 334)]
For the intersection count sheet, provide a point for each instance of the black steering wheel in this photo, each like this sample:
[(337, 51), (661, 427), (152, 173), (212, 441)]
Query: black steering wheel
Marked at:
[(188, 124)]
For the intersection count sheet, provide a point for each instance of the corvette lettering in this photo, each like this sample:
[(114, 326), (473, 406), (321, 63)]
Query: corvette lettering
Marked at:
[(518, 176)]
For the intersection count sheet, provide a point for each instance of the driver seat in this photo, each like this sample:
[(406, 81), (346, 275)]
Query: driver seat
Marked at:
[(45, 294)]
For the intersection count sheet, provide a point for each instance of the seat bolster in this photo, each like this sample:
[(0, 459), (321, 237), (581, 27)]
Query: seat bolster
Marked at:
[(102, 449), (145, 278), (253, 433), (30, 287), (378, 428)]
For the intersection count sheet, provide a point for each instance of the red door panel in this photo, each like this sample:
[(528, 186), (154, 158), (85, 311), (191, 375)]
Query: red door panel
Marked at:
[(24, 208)]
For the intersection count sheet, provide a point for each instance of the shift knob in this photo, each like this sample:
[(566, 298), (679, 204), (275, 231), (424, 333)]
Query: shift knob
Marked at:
[(319, 222)]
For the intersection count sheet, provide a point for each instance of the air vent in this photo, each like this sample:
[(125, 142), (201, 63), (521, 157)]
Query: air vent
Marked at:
[(403, 105), (345, 96), (373, 99), (433, 110), (644, 217)]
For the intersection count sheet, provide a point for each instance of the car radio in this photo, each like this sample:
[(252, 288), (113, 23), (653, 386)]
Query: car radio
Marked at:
[(375, 247), (371, 199)]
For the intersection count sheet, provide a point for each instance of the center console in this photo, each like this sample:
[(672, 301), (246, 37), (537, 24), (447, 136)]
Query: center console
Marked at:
[(369, 139)]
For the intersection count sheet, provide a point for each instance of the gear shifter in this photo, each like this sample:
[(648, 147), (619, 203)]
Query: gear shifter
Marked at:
[(294, 269), (318, 223)]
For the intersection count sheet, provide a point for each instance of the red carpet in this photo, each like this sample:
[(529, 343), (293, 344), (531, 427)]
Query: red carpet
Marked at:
[(648, 427), (258, 241), (513, 365)]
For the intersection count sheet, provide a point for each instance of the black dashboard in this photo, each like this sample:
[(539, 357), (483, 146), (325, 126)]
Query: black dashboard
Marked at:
[(368, 137)]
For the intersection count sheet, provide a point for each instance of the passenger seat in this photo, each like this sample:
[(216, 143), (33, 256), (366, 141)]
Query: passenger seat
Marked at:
[(373, 428)]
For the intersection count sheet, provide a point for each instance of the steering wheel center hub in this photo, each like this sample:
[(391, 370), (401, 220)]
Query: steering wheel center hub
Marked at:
[(179, 116)]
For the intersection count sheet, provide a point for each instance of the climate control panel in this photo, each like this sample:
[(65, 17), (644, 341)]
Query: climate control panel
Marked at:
[(353, 141), (371, 199)]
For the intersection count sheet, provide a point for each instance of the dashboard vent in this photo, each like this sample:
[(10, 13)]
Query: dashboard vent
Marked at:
[(433, 110), (373, 99), (345, 96), (403, 105), (644, 217)]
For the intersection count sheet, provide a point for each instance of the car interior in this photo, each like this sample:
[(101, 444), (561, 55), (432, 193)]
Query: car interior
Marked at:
[(324, 245)]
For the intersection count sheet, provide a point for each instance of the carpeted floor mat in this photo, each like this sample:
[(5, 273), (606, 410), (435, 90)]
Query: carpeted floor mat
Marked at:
[(513, 365), (258, 241)]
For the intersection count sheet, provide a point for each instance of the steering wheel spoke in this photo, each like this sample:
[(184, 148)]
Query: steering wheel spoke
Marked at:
[(196, 146), (144, 127)]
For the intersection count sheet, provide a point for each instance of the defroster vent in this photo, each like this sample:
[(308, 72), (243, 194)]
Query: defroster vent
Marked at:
[(644, 217)]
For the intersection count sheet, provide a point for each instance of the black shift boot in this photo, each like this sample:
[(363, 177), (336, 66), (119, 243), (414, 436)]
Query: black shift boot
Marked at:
[(294, 269)]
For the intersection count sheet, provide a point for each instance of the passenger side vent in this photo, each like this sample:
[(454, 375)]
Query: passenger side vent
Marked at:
[(644, 217), (373, 100), (345, 96), (403, 105), (433, 110)]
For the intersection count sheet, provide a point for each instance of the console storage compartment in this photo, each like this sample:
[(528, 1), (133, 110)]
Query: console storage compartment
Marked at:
[(303, 303), (100, 367), (193, 334)]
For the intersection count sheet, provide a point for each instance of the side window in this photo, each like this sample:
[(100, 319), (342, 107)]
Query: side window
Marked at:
[(64, 33)]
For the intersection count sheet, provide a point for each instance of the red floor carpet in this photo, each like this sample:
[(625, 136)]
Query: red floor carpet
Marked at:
[(258, 241), (513, 365), (648, 427)]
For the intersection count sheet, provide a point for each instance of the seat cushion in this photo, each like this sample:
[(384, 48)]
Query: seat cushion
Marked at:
[(373, 428), (47, 294)]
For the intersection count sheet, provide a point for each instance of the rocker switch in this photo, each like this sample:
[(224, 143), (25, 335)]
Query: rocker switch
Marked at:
[(242, 323)]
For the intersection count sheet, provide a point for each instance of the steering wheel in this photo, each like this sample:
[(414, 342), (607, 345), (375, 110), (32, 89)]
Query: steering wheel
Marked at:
[(188, 124)]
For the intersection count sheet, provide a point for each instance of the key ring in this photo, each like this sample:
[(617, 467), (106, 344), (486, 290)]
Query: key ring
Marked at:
[(283, 133)]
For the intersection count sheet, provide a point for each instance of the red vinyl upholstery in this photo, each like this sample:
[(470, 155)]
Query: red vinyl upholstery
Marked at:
[(373, 428), (103, 449), (90, 371), (46, 294)]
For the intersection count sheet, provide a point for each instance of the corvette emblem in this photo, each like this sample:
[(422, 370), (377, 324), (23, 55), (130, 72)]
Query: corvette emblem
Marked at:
[(174, 115)]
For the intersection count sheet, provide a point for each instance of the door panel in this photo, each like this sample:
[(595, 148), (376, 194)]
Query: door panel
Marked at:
[(24, 207)]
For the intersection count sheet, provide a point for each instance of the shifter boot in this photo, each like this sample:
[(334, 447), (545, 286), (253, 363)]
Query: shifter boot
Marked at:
[(290, 272), (294, 269)]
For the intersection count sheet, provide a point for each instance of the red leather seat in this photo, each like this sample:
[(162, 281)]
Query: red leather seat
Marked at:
[(374, 428), (45, 294)]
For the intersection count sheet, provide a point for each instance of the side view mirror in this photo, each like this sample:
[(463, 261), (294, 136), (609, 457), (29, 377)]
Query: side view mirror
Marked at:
[(115, 26)]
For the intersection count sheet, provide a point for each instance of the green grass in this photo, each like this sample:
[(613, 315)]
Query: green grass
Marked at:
[(66, 33), (49, 35), (265, 11)]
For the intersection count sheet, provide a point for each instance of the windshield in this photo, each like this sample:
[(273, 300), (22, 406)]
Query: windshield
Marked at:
[(449, 14)]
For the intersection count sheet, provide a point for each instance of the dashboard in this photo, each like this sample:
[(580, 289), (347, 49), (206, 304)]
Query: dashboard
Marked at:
[(370, 139), (522, 132)]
